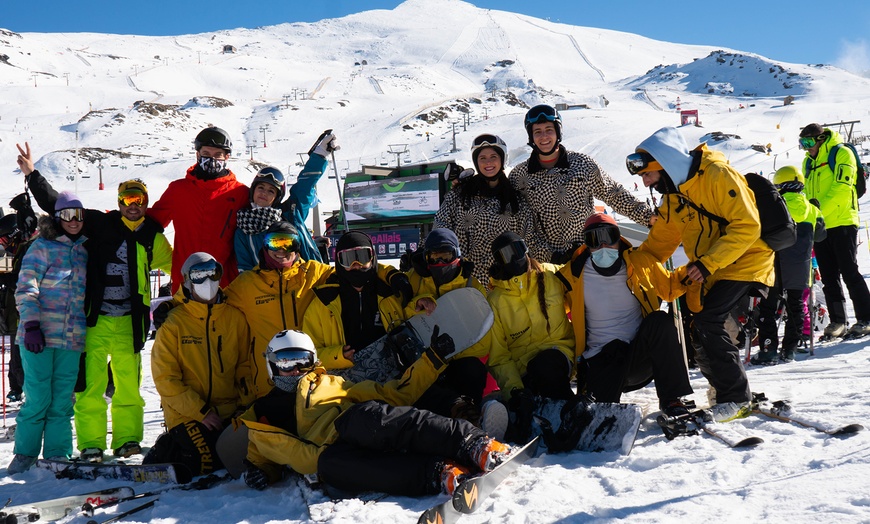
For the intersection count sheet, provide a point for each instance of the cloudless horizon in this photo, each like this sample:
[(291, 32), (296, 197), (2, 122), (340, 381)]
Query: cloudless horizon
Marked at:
[(797, 31)]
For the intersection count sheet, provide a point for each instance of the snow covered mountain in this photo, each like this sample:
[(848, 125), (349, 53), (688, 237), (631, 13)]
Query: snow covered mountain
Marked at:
[(132, 104)]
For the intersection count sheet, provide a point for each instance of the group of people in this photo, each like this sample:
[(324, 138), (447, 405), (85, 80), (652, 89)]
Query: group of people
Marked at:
[(261, 332)]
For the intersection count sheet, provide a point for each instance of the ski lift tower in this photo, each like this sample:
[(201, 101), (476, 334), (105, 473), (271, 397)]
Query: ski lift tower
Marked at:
[(398, 150)]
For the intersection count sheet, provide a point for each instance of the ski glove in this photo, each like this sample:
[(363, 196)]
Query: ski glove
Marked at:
[(34, 339), (325, 144), (256, 478), (401, 287), (161, 313), (442, 344), (522, 403)]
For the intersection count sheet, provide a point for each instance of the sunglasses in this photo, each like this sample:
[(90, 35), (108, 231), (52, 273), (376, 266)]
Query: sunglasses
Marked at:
[(199, 273), (511, 252), (71, 213), (281, 241), (807, 142), (132, 197), (291, 359), (356, 255), (543, 114), (435, 258), (638, 163), (595, 238)]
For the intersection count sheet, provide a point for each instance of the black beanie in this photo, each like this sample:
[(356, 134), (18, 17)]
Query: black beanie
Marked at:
[(353, 239)]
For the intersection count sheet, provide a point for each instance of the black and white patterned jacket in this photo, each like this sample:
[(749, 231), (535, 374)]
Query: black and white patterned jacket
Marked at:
[(562, 197)]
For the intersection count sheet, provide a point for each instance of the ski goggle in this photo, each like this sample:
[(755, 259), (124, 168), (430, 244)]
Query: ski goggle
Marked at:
[(485, 141), (596, 237), (511, 252), (642, 162), (435, 257), (807, 142), (71, 213), (210, 270), (281, 241), (361, 256), (291, 359), (132, 197), (541, 114)]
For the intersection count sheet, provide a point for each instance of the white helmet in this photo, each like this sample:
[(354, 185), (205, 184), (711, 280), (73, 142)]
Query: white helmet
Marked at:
[(289, 350)]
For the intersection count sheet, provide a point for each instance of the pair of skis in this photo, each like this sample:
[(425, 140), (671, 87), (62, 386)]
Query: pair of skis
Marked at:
[(471, 492), (699, 421)]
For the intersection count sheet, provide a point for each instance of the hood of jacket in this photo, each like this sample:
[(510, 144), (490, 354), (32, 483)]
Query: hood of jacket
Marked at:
[(670, 149)]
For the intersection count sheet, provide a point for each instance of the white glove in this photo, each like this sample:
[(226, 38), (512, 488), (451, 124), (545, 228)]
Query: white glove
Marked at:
[(325, 144)]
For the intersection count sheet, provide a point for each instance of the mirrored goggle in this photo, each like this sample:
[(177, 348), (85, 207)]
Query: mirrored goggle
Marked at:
[(357, 255), (281, 241), (203, 271), (542, 114), (599, 236), (270, 173), (70, 214), (641, 162), (806, 142), (291, 359), (132, 197), (434, 258), (512, 252), (485, 140)]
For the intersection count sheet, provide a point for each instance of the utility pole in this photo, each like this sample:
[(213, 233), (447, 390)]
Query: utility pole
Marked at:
[(34, 79), (398, 150), (250, 149), (286, 101), (100, 167), (454, 137), (66, 75), (263, 129)]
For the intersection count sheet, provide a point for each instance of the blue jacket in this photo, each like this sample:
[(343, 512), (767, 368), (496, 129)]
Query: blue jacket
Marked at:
[(303, 197), (51, 288)]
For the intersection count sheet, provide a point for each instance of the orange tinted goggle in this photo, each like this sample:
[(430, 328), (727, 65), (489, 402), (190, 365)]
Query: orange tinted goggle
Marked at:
[(132, 197)]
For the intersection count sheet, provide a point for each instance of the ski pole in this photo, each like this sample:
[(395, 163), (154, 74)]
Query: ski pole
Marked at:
[(338, 186), (126, 514)]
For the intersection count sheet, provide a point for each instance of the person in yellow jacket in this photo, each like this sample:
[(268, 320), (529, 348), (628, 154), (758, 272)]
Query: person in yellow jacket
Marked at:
[(624, 342), (275, 294), (200, 366), (730, 263), (355, 307), (532, 348), (837, 254), (363, 436)]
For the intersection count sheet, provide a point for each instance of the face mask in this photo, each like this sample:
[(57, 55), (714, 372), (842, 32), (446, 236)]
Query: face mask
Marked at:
[(510, 270), (605, 257), (357, 278), (444, 273), (206, 291), (287, 384), (211, 165)]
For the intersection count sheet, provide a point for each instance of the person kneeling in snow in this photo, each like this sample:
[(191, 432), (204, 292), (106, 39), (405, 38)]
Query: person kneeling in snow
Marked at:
[(345, 432)]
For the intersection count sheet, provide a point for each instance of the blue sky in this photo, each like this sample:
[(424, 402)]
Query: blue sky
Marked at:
[(798, 31)]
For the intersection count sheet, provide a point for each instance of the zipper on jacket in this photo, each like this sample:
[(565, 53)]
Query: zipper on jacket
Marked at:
[(227, 223), (208, 352), (281, 298), (219, 351), (308, 397)]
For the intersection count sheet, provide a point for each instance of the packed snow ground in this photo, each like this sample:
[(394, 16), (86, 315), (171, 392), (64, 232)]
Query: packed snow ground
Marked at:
[(796, 476)]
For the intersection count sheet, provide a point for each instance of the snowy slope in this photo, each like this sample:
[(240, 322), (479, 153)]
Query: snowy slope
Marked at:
[(369, 76)]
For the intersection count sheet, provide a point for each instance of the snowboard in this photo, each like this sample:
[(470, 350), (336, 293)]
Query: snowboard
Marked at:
[(58, 508), (596, 426), (169, 473), (472, 491), (232, 448), (462, 313)]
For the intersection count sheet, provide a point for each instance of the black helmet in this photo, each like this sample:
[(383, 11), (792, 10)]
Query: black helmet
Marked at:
[(540, 114), (275, 178), (214, 137)]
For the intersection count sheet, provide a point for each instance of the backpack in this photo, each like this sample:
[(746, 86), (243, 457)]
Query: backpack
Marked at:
[(860, 179), (778, 229)]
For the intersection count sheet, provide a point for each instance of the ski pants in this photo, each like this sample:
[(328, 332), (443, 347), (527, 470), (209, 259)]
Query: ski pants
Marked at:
[(111, 339), (837, 257), (654, 354), (189, 443), (396, 450), (16, 369), (50, 377), (463, 377), (796, 313), (548, 374), (715, 331)]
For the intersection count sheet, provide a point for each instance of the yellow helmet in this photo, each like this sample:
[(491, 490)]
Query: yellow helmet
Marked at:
[(788, 174)]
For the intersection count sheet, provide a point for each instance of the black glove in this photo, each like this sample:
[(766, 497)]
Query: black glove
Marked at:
[(161, 312), (442, 344), (325, 144), (815, 202), (401, 287), (256, 478), (522, 403)]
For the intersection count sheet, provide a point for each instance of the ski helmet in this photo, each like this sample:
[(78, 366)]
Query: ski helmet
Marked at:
[(540, 114), (289, 350), (492, 141), (213, 137), (788, 174), (275, 178)]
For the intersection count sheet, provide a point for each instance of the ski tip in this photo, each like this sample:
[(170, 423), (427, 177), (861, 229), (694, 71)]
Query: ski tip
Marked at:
[(748, 442), (850, 429)]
